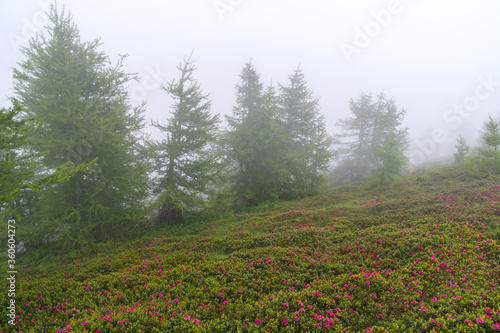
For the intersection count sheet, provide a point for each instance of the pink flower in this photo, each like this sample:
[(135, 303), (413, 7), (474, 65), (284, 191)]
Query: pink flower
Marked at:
[(187, 317), (424, 309), (297, 318), (480, 320), (285, 322), (368, 330), (368, 282), (285, 304), (496, 327), (258, 321)]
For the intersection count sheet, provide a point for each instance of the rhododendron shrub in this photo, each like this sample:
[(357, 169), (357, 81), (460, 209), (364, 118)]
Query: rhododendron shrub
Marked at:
[(421, 258)]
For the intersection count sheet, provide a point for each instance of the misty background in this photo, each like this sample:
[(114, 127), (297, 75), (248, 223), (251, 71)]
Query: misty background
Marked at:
[(439, 61)]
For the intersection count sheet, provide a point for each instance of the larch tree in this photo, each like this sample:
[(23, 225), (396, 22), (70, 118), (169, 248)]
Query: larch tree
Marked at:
[(17, 166), (307, 143), (254, 142), (366, 132), (183, 160), (356, 139), (81, 101), (21, 172), (490, 137), (462, 150), (391, 155)]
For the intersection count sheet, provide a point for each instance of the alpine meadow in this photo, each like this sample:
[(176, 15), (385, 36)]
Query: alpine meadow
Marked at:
[(240, 203)]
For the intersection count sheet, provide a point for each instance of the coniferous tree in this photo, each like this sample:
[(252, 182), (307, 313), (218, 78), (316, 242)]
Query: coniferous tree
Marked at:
[(355, 149), (272, 147), (365, 133), (387, 119), (183, 159), (21, 171), (16, 169), (462, 150), (307, 143), (490, 136), (20, 167), (391, 155), (81, 102), (254, 142)]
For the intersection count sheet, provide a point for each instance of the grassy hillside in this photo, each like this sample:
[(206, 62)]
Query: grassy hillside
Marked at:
[(421, 255)]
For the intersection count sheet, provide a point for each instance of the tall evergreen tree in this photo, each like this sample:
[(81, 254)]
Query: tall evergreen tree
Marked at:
[(183, 160), (307, 143), (21, 172), (391, 155), (365, 133), (462, 150), (254, 141), (83, 106), (17, 169), (491, 138), (355, 149), (387, 119)]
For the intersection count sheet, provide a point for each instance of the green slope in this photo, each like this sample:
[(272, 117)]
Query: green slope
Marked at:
[(419, 256)]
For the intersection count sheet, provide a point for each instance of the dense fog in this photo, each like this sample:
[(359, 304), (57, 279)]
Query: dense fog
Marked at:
[(439, 61)]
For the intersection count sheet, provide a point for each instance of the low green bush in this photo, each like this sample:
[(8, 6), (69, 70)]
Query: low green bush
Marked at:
[(420, 259)]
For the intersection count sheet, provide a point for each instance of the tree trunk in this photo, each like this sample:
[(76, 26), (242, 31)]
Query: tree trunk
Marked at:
[(169, 213)]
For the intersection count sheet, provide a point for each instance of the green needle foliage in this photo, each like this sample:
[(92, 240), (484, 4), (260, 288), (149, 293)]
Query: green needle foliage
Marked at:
[(80, 99), (307, 142), (462, 150), (491, 138), (19, 167), (15, 168), (184, 159), (255, 142), (278, 143), (391, 156), (365, 142)]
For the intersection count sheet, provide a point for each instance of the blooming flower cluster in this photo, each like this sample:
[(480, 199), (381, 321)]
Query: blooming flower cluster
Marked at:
[(425, 257)]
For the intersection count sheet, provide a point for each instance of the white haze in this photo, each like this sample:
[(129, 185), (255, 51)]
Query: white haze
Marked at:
[(438, 60)]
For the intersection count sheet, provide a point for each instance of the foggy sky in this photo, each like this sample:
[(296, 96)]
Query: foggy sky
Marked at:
[(439, 60)]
